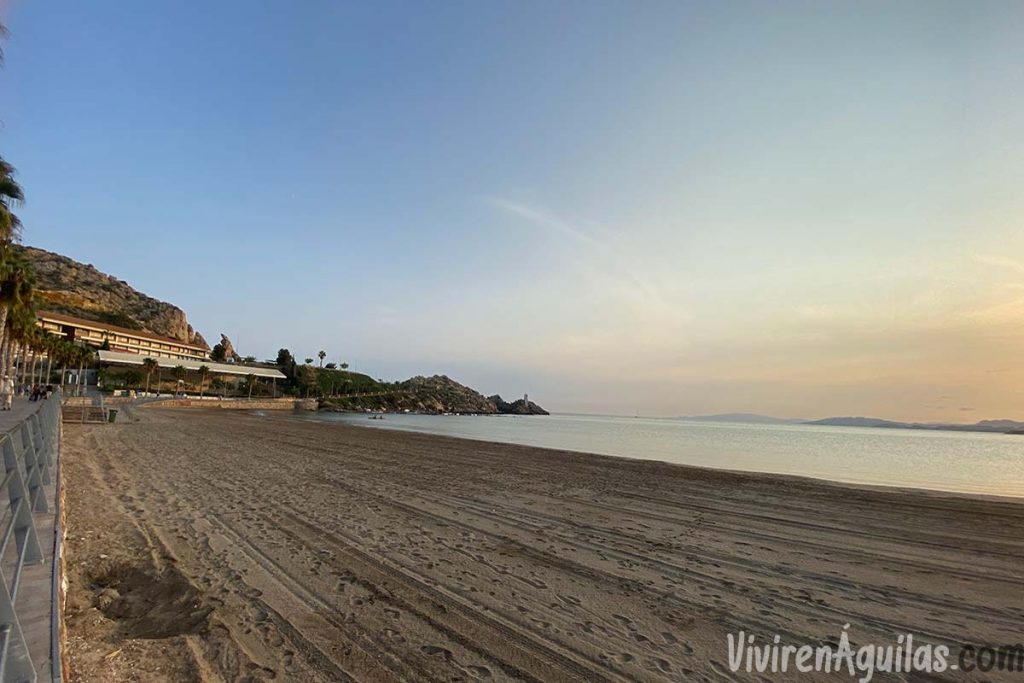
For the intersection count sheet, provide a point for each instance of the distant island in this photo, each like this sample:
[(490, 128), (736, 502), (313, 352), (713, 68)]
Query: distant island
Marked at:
[(993, 426)]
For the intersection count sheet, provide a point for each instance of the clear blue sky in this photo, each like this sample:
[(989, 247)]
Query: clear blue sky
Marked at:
[(797, 208)]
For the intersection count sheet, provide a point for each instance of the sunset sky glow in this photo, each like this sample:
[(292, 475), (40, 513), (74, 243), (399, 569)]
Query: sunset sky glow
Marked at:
[(798, 209)]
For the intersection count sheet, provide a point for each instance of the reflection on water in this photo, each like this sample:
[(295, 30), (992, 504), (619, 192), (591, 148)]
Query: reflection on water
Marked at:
[(968, 462)]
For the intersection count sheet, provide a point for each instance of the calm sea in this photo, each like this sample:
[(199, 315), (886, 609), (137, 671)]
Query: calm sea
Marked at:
[(969, 462)]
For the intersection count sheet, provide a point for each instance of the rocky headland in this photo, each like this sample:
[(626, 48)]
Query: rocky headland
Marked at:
[(67, 286)]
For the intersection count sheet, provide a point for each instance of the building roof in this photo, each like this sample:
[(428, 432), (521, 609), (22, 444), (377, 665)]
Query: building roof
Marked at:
[(105, 327), (122, 358)]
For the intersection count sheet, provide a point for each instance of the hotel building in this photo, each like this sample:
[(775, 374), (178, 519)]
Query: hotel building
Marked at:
[(119, 339)]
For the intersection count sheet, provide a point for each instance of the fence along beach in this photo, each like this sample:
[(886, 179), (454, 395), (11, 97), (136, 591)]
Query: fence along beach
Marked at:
[(207, 546)]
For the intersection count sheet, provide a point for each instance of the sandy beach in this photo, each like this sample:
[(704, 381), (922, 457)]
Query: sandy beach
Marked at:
[(240, 547)]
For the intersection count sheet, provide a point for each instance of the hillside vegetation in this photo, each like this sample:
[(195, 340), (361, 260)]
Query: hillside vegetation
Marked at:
[(437, 394)]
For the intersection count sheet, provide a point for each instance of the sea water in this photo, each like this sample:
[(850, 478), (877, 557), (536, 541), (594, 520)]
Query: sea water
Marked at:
[(966, 462)]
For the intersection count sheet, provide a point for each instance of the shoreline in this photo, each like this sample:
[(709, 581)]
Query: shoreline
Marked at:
[(314, 551), (894, 488)]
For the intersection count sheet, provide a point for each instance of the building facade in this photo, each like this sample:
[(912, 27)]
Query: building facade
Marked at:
[(119, 339)]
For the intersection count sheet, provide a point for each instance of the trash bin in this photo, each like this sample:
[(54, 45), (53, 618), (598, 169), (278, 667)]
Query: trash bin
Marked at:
[(111, 415)]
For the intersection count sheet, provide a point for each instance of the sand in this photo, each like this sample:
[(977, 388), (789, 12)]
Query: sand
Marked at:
[(239, 547)]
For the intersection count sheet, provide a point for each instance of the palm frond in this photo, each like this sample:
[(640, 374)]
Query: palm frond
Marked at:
[(3, 35)]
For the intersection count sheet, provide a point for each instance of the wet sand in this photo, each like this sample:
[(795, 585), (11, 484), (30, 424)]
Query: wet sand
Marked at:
[(211, 546)]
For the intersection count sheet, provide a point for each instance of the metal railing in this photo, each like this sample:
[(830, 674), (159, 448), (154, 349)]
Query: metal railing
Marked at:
[(92, 412), (30, 451)]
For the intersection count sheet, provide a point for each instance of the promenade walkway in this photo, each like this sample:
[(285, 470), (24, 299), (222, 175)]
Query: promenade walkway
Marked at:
[(21, 409)]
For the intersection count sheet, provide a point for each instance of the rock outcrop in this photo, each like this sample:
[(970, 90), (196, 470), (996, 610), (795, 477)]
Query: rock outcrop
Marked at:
[(229, 349), (78, 289), (520, 406)]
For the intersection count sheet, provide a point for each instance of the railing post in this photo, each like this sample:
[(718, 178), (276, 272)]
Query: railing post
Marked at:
[(33, 480), (15, 659), (18, 491), (42, 447)]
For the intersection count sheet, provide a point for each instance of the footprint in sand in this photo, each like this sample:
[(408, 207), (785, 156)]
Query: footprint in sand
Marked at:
[(436, 651), (255, 670), (660, 664), (257, 614), (641, 638)]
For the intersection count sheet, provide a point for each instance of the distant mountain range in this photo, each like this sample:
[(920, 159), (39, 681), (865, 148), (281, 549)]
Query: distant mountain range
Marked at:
[(997, 426), (745, 418)]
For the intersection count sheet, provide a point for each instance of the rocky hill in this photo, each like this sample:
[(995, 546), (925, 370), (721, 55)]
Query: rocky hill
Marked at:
[(437, 394), (441, 394), (67, 286)]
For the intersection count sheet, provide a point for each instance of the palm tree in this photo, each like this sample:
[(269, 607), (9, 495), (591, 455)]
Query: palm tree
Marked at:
[(63, 352), (71, 352), (179, 373), (16, 284), (51, 345), (24, 363), (3, 35), (11, 195), (321, 356), (249, 379), (33, 341), (203, 372), (309, 361), (149, 366), (83, 356), (22, 332), (344, 366)]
